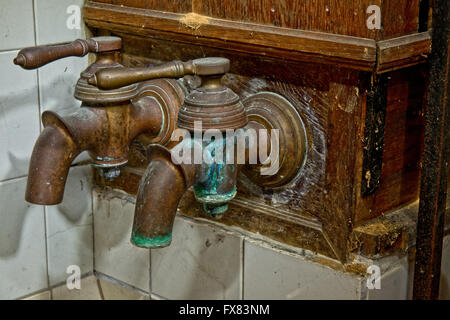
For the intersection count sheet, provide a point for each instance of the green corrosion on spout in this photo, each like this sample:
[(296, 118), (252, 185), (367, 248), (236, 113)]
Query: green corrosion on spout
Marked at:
[(217, 185), (147, 242)]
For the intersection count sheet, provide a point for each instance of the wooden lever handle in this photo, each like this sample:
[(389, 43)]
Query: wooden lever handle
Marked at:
[(35, 57)]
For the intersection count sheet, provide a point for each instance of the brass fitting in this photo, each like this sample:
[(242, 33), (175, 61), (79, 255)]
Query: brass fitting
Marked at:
[(105, 125)]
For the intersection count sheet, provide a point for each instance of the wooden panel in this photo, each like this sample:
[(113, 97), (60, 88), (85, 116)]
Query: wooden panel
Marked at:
[(328, 99), (179, 6), (333, 16), (402, 145), (403, 51), (264, 40), (400, 17)]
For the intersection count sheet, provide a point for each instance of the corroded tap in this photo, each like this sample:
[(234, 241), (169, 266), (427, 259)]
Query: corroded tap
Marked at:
[(106, 123), (213, 119)]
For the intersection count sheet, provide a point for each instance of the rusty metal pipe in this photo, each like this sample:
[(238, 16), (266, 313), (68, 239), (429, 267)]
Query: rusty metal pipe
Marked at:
[(105, 132), (107, 122), (50, 161), (161, 188)]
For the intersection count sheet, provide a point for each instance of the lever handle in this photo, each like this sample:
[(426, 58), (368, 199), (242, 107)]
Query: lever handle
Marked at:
[(113, 78), (35, 57)]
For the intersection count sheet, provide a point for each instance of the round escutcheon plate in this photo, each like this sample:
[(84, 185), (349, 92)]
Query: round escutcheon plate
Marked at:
[(274, 112)]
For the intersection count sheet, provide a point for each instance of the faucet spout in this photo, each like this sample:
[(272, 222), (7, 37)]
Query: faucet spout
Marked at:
[(160, 191), (50, 161)]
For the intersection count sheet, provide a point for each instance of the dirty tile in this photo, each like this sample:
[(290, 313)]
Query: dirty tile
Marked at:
[(40, 296), (272, 274), (57, 82), (114, 291), (115, 256), (88, 291), (19, 117), (393, 284), (445, 270), (23, 267), (57, 21), (203, 262), (69, 227), (16, 24)]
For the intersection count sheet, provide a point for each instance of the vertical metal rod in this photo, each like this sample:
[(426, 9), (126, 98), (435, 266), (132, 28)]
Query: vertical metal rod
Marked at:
[(435, 158)]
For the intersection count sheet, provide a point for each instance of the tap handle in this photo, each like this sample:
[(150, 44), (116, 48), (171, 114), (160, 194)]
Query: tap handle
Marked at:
[(35, 57), (112, 78)]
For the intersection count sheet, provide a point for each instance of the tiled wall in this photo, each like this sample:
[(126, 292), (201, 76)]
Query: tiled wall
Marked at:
[(37, 243), (210, 261)]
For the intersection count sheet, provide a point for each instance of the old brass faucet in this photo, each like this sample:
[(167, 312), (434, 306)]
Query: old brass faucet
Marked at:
[(212, 109), (106, 123)]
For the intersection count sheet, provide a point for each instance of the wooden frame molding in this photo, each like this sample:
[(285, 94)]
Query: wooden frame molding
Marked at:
[(351, 52), (319, 47), (402, 52)]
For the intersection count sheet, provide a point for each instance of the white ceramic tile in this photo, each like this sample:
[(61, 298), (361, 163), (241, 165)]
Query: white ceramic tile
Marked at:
[(445, 269), (393, 284), (115, 291), (23, 267), (69, 227), (16, 24), (40, 296), (51, 21), (115, 256), (19, 117), (271, 274), (201, 263), (57, 82), (88, 291)]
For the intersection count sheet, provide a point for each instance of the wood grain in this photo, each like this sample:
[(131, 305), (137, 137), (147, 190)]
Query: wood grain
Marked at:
[(399, 17), (402, 146), (246, 37), (402, 52)]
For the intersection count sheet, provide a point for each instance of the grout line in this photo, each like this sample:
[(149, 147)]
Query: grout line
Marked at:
[(83, 276), (46, 250), (11, 179), (100, 290), (150, 289), (93, 229), (33, 4), (50, 288), (105, 277), (242, 268), (154, 296), (13, 50), (37, 70)]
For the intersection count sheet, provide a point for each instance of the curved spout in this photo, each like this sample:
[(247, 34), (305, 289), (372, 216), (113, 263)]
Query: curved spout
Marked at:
[(160, 191), (50, 161)]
